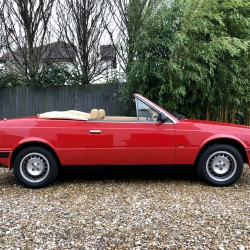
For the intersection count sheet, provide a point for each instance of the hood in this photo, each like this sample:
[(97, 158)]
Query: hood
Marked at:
[(205, 122)]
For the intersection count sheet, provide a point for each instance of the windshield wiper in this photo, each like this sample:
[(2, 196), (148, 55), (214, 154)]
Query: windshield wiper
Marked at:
[(178, 116)]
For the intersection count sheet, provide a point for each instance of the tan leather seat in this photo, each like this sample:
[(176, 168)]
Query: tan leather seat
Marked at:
[(94, 114), (101, 114)]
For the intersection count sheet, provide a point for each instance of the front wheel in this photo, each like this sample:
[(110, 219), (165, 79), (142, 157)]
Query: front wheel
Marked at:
[(220, 165), (35, 167)]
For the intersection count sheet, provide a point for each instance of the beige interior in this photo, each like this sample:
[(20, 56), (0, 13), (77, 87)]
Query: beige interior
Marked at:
[(101, 114), (76, 112), (95, 114), (120, 118), (64, 115)]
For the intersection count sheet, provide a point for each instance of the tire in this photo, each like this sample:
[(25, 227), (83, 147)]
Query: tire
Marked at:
[(35, 167), (220, 165)]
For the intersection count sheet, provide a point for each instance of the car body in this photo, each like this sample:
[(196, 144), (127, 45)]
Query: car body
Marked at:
[(36, 147)]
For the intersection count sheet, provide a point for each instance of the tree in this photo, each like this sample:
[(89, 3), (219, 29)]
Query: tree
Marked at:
[(80, 24), (2, 42), (126, 21), (193, 57), (26, 29)]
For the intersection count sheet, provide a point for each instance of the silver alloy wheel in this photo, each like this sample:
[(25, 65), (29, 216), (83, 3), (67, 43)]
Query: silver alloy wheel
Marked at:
[(221, 166), (34, 167)]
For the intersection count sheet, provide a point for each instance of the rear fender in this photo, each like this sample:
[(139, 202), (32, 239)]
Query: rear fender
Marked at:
[(27, 142)]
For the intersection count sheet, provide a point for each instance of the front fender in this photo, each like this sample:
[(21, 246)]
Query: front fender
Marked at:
[(223, 137), (239, 144)]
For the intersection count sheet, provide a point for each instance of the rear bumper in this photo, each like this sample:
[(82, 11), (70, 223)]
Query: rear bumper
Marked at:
[(5, 158), (4, 154)]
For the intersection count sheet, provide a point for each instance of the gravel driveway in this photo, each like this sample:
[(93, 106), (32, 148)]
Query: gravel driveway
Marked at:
[(87, 209)]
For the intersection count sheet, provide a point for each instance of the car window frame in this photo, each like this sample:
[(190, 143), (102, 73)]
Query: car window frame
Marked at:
[(168, 120)]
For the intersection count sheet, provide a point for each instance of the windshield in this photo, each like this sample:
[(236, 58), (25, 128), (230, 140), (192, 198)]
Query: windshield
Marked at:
[(145, 112), (157, 108)]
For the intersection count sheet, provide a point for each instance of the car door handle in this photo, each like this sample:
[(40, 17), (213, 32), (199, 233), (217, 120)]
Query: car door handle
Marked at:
[(95, 131)]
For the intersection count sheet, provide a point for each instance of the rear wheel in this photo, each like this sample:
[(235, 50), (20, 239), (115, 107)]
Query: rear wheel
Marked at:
[(35, 167), (220, 165)]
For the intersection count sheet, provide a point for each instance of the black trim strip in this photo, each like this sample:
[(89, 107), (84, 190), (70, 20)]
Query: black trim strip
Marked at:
[(4, 154)]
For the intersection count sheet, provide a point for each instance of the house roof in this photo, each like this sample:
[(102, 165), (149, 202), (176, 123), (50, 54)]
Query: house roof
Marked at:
[(52, 52), (58, 51)]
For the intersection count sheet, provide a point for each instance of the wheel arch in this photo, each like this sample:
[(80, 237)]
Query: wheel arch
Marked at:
[(20, 147), (227, 141)]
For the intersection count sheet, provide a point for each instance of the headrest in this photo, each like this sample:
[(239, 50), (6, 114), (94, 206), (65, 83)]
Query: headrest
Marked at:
[(101, 114), (94, 114)]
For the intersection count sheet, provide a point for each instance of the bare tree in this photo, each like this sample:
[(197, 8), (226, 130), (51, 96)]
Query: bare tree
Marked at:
[(80, 24), (127, 17), (26, 28), (2, 33)]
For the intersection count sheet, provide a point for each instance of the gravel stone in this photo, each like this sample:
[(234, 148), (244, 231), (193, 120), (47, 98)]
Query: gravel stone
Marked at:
[(88, 210)]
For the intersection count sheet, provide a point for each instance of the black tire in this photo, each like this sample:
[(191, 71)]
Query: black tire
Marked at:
[(220, 165), (35, 167)]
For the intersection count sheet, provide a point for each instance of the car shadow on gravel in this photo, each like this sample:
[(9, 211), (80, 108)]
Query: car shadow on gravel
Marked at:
[(130, 173)]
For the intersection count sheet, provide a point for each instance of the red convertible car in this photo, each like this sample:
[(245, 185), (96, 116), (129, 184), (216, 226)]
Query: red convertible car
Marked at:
[(37, 147)]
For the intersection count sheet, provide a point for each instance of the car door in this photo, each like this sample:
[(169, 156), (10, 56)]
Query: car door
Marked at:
[(125, 142), (142, 140)]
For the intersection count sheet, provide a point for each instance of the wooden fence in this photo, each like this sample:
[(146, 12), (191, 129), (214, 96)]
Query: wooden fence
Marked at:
[(27, 101)]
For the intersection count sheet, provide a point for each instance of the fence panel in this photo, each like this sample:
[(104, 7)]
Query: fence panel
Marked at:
[(28, 101)]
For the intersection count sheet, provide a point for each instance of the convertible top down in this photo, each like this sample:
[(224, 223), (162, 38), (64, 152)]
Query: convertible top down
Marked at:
[(37, 147)]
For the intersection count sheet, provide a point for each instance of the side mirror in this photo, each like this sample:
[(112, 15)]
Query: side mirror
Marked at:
[(162, 117)]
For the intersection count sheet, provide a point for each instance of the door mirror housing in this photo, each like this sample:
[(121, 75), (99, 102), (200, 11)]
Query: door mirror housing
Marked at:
[(162, 117)]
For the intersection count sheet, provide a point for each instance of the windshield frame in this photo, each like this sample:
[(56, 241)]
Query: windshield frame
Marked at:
[(155, 107)]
